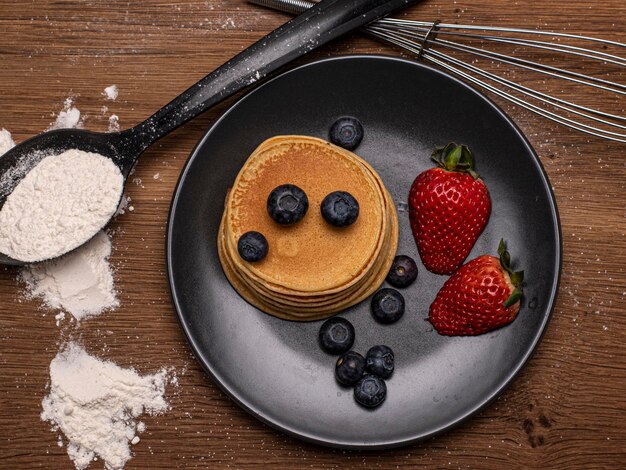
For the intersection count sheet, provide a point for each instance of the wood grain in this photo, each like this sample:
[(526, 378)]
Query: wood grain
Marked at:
[(567, 408)]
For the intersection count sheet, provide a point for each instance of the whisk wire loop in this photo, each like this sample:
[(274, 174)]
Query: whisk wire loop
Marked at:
[(440, 43), (430, 34)]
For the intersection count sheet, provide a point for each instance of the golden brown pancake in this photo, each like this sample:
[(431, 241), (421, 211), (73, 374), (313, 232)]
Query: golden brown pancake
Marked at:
[(299, 312), (312, 255), (327, 299), (312, 269)]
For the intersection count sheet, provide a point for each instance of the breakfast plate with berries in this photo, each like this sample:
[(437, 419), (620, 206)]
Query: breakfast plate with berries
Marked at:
[(363, 252)]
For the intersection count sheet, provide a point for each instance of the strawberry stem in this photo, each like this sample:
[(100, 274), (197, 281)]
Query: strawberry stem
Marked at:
[(453, 157), (517, 277), (513, 298)]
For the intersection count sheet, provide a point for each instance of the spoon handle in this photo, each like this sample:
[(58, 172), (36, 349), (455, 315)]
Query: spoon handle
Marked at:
[(318, 25)]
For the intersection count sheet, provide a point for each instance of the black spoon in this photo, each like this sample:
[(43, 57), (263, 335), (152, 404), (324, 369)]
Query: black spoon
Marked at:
[(318, 25)]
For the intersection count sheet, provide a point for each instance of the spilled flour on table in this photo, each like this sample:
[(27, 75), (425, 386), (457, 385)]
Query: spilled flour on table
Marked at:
[(68, 118), (6, 141), (114, 123), (80, 282), (96, 404), (110, 93), (124, 206)]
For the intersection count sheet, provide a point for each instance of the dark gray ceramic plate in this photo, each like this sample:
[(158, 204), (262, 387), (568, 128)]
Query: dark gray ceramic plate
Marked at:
[(275, 369)]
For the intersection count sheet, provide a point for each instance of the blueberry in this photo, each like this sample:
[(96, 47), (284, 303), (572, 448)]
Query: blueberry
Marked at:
[(349, 368), (387, 305), (346, 132), (287, 204), (370, 391), (340, 209), (252, 246), (336, 335), (379, 361), (403, 271)]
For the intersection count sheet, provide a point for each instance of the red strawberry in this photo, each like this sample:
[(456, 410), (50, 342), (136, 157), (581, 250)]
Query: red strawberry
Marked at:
[(481, 296), (449, 206)]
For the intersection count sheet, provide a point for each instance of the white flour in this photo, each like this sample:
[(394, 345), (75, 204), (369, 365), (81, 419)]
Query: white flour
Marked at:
[(62, 202), (68, 118), (6, 142), (80, 282), (95, 403), (124, 206), (110, 93), (59, 205), (114, 123)]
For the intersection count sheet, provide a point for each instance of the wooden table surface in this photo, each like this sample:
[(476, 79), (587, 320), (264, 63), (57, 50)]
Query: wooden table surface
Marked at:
[(565, 410)]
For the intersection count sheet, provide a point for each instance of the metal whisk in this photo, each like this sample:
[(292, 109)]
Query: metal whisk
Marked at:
[(435, 41)]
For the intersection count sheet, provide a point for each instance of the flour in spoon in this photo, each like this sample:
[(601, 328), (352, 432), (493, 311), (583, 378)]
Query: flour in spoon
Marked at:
[(59, 205)]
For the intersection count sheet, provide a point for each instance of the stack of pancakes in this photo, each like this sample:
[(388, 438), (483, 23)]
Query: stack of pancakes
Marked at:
[(312, 269)]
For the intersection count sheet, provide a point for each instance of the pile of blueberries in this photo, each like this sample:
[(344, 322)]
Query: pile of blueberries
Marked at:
[(367, 374)]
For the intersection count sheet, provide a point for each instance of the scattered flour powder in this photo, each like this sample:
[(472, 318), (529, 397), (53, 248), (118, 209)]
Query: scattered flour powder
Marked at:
[(114, 123), (59, 205), (80, 282), (96, 403), (69, 117), (6, 142), (110, 93)]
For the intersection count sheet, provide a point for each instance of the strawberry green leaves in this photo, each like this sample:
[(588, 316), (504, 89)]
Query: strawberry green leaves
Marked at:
[(453, 157), (517, 277)]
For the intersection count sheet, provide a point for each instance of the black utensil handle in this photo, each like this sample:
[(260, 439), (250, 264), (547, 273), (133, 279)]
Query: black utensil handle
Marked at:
[(318, 25)]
